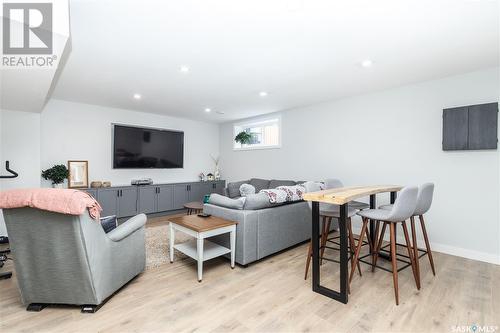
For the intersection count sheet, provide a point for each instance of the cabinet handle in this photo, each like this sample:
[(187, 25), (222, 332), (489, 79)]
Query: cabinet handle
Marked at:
[(159, 190), (117, 193)]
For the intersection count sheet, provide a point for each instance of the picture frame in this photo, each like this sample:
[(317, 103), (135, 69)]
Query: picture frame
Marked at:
[(78, 174)]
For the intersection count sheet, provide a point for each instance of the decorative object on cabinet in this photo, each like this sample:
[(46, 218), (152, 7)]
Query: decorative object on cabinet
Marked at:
[(106, 184), (57, 174), (96, 184), (78, 174), (210, 177), (216, 171), (202, 177)]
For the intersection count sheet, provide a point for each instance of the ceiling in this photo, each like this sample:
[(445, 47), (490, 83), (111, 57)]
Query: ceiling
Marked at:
[(300, 52)]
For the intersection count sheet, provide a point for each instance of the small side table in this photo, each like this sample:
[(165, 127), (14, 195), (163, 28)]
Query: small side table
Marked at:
[(194, 207), (201, 249)]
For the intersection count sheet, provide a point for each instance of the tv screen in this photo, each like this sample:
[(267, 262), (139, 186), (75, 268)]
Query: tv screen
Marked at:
[(141, 148)]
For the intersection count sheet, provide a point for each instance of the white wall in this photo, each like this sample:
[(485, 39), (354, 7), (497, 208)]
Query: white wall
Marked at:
[(19, 144), (75, 131), (388, 137), (20, 133)]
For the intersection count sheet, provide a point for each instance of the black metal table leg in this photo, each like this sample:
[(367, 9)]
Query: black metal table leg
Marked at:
[(316, 278), (373, 205)]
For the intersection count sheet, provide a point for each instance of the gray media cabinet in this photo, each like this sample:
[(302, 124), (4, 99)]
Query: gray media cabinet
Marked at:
[(125, 201)]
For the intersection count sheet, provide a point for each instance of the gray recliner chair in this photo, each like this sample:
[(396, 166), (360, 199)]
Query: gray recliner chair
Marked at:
[(67, 259)]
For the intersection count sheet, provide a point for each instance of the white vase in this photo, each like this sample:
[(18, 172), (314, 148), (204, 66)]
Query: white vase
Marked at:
[(57, 185)]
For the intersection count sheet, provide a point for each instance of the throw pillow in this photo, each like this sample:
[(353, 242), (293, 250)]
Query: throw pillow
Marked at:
[(108, 223), (220, 200), (246, 189)]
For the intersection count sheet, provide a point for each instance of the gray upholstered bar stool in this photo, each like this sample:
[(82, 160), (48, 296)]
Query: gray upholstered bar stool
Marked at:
[(327, 212), (336, 183), (401, 211), (424, 201), (355, 205)]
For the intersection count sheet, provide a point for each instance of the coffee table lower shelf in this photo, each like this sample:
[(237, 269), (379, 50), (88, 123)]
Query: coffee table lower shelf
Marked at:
[(210, 249)]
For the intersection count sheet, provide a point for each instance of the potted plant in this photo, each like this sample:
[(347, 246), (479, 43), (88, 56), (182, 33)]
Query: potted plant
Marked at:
[(57, 174), (244, 138)]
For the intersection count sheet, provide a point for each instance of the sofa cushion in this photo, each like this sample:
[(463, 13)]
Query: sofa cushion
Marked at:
[(233, 189), (257, 201), (246, 190), (275, 183), (259, 184), (220, 200)]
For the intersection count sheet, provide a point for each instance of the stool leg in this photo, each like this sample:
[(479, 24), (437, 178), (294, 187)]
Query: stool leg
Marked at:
[(427, 245), (379, 246), (352, 245), (394, 262), (412, 258), (375, 239), (308, 261), (326, 231), (358, 248), (415, 246)]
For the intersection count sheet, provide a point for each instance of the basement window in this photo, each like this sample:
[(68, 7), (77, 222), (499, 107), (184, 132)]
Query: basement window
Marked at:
[(262, 133)]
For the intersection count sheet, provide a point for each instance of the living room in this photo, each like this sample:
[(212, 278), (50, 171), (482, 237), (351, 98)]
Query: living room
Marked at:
[(281, 132)]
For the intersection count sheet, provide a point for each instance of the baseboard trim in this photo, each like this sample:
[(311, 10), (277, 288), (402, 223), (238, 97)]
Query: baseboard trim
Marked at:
[(451, 250)]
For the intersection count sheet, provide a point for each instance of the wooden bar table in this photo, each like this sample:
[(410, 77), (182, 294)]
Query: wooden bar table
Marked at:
[(339, 196)]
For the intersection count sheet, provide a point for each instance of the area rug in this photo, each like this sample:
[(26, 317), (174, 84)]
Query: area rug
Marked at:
[(157, 246)]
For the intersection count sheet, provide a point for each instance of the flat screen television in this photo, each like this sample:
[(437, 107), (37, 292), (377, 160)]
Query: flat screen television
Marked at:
[(146, 148)]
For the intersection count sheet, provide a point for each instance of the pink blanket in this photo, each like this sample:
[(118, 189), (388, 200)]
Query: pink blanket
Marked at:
[(65, 201)]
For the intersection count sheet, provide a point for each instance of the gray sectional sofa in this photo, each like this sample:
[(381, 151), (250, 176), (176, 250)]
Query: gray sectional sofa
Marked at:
[(263, 228)]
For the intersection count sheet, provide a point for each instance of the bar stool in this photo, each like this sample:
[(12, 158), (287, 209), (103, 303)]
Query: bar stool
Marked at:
[(327, 212), (401, 211), (424, 201), (336, 183)]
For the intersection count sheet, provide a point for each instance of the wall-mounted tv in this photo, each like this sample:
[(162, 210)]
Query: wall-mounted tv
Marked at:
[(146, 148)]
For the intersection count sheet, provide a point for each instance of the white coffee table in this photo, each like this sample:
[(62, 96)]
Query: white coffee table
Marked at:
[(201, 249)]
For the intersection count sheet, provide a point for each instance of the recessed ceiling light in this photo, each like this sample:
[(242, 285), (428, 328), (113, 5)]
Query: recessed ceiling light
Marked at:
[(208, 109), (184, 69), (366, 63), (137, 96), (263, 94)]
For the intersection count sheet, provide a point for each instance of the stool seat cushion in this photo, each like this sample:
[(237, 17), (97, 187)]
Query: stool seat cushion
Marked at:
[(335, 212), (386, 207), (376, 214), (358, 205)]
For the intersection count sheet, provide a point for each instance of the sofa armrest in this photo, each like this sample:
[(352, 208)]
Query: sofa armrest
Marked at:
[(127, 228)]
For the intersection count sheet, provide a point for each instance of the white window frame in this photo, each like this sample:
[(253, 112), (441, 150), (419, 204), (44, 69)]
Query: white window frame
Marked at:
[(254, 122)]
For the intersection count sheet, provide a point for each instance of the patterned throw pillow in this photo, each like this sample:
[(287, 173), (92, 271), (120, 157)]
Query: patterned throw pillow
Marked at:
[(246, 189)]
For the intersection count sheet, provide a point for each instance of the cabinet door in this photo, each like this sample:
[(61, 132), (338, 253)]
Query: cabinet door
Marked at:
[(455, 128), (483, 126), (91, 191), (165, 198), (219, 187), (148, 199), (108, 199), (127, 202), (181, 195), (199, 190)]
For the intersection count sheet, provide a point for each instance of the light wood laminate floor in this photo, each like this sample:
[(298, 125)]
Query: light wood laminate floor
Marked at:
[(272, 296)]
